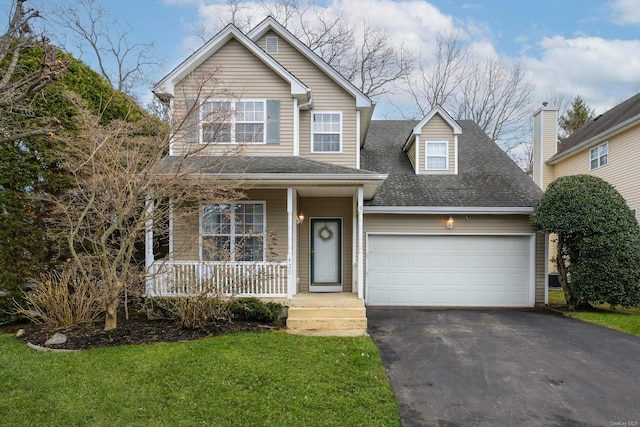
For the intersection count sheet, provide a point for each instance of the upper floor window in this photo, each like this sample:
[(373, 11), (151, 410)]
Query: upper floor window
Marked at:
[(437, 155), (241, 121), (326, 129), (599, 156), (272, 44), (233, 232)]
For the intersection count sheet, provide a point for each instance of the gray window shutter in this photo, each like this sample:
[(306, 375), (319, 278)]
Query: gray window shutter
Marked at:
[(273, 121), (191, 122)]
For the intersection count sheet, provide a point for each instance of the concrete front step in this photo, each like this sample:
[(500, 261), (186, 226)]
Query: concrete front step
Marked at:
[(327, 312), (324, 323), (339, 314)]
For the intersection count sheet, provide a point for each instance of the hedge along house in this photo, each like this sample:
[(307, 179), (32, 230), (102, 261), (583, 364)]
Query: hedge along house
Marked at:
[(340, 210)]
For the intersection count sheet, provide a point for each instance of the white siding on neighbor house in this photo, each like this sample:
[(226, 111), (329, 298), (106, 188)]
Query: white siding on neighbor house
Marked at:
[(233, 72), (545, 137), (437, 129), (327, 96)]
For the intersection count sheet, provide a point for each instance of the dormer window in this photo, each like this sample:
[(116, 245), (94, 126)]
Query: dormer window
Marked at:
[(599, 156), (272, 44), (437, 155)]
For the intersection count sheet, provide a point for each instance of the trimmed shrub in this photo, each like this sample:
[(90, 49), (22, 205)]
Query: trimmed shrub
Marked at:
[(255, 310)]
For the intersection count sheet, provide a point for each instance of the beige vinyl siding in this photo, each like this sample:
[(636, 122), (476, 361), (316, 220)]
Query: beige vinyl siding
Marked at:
[(233, 72), (550, 146), (537, 148), (327, 96), (622, 170), (326, 207), (411, 153), (437, 129), (186, 226), (476, 224)]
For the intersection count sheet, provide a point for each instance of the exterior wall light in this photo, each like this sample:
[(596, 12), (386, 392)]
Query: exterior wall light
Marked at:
[(300, 218), (450, 222)]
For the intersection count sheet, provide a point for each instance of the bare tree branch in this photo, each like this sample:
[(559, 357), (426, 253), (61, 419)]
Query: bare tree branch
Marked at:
[(123, 64)]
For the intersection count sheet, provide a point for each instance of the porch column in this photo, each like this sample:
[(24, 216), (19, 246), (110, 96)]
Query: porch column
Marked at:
[(291, 224), (148, 243), (360, 244)]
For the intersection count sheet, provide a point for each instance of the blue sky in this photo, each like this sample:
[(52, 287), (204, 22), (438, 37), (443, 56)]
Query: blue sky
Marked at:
[(577, 47)]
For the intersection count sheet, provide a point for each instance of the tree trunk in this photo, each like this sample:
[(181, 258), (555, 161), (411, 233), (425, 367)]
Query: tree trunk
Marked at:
[(111, 308), (562, 276)]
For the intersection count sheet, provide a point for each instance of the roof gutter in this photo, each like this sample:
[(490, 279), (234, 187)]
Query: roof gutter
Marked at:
[(426, 210), (594, 140)]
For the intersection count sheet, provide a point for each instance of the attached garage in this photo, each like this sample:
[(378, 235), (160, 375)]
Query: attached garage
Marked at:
[(450, 270)]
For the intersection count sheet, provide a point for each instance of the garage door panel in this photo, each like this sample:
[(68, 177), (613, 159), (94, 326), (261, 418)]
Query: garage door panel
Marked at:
[(448, 270)]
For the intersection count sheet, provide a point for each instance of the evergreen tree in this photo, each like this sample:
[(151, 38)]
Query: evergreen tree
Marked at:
[(575, 118)]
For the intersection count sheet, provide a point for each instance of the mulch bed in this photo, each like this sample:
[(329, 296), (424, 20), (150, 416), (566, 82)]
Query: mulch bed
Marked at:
[(137, 330)]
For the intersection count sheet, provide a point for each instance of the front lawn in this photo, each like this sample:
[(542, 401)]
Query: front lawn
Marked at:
[(622, 319), (244, 379)]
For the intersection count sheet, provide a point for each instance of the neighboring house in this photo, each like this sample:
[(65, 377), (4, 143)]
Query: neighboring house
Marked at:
[(427, 212), (607, 147)]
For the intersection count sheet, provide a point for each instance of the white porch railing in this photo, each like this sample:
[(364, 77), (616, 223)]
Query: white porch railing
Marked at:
[(182, 278)]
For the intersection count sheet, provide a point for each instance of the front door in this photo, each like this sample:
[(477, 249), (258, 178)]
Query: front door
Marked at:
[(326, 255)]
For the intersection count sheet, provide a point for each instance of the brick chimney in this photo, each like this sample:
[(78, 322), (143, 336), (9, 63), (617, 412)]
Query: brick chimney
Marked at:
[(545, 143)]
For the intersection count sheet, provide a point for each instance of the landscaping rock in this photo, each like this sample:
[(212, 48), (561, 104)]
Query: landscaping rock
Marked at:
[(19, 333), (56, 339)]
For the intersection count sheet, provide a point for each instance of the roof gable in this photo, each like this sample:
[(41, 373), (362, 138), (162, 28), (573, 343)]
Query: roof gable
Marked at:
[(417, 129), (270, 24), (164, 89), (616, 119)]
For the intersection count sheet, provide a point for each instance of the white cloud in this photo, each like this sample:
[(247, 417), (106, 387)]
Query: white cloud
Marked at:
[(602, 71), (625, 12)]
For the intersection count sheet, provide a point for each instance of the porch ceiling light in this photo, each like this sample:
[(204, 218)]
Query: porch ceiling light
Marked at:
[(300, 218), (450, 222)]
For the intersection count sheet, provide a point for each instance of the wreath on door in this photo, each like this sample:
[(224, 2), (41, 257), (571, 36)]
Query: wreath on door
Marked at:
[(325, 234)]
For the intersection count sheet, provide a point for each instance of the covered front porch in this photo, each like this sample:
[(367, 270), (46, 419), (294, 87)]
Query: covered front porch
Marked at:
[(311, 235)]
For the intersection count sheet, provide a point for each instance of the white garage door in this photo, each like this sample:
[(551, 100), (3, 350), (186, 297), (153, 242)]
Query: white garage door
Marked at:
[(489, 271)]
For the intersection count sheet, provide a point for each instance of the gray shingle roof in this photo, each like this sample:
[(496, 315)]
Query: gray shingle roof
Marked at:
[(486, 177), (259, 165), (619, 114)]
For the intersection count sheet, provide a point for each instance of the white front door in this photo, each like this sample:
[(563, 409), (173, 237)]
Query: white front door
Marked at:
[(326, 255)]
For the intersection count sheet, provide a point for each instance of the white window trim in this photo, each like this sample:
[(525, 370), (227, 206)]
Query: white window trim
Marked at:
[(266, 44), (233, 121), (232, 234), (312, 133), (599, 157), (426, 156)]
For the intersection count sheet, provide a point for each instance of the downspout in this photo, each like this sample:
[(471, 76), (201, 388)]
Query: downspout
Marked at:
[(307, 105)]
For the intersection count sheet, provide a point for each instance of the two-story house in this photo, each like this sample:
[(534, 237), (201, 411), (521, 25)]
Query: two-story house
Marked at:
[(607, 147), (340, 210)]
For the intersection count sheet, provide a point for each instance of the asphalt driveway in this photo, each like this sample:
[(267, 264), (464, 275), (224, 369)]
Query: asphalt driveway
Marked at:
[(498, 367)]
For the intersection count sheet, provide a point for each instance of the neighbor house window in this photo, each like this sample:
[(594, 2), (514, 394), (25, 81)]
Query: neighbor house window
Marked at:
[(327, 132), (635, 213), (437, 155), (272, 44), (239, 122), (599, 156), (233, 232)]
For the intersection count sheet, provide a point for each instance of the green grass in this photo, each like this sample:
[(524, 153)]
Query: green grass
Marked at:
[(246, 379), (622, 319)]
